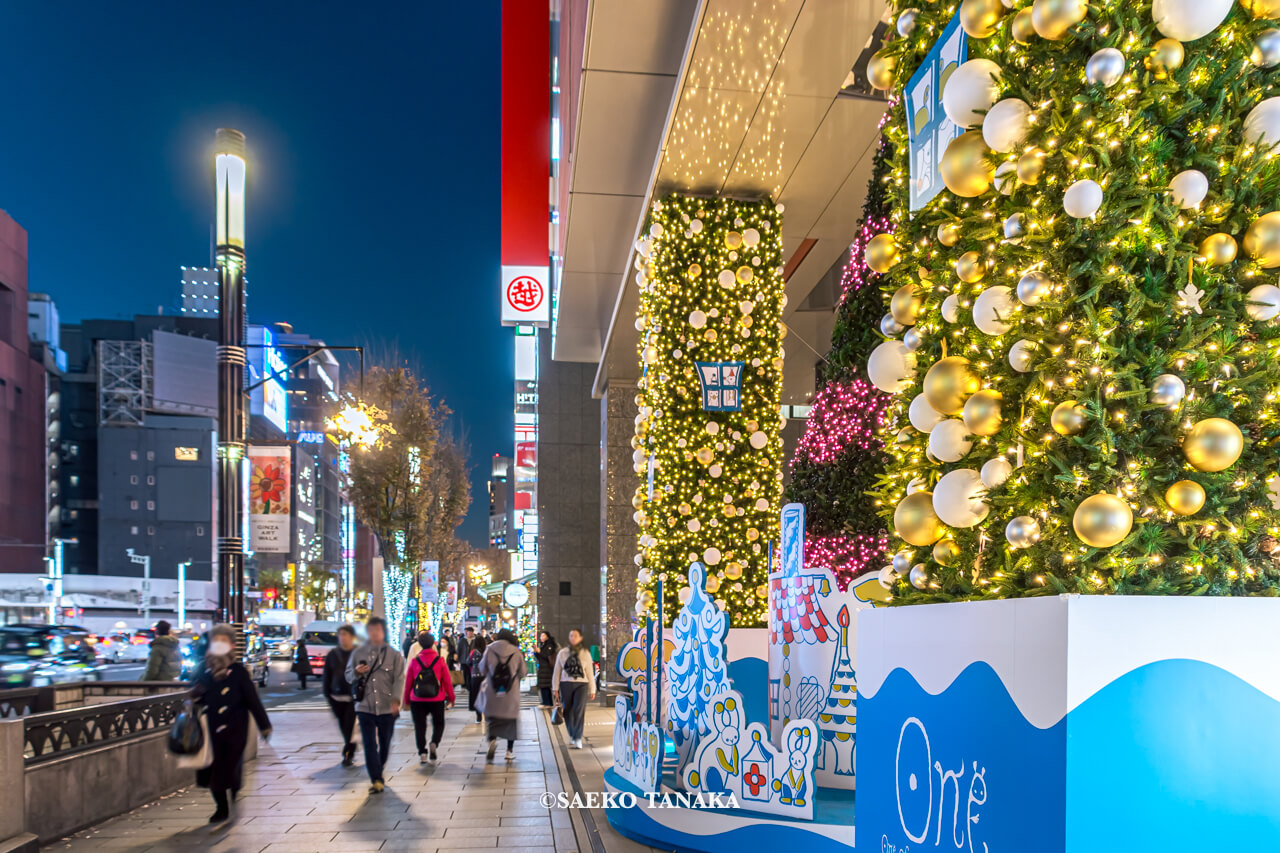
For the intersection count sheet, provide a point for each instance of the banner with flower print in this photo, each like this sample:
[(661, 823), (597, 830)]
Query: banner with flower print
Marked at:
[(270, 498)]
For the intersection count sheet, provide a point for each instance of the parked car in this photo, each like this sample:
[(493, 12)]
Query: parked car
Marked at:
[(40, 655), (321, 638)]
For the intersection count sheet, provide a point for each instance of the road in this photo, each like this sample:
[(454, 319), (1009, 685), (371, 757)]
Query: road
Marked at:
[(282, 685)]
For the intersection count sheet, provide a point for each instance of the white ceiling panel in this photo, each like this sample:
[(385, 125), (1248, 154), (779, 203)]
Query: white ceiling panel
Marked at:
[(824, 41), (619, 131), (633, 37), (600, 233)]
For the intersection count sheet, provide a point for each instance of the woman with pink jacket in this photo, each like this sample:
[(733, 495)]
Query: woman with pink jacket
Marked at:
[(428, 689)]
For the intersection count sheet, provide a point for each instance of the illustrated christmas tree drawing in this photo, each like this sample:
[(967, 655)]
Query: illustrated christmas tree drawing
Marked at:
[(840, 456), (697, 671), (1091, 407)]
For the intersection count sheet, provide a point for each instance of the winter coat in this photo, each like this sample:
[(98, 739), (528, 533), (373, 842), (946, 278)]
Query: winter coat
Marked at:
[(229, 703), (336, 686), (588, 676), (546, 658), (302, 660), (384, 682), (428, 658), (502, 706), (165, 661)]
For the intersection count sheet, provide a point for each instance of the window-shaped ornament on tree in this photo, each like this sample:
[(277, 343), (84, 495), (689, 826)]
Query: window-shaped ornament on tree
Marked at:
[(721, 385)]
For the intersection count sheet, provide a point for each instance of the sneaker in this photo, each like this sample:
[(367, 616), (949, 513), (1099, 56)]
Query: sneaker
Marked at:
[(219, 816), (422, 758), (432, 753), (377, 787), (493, 747), (511, 756)]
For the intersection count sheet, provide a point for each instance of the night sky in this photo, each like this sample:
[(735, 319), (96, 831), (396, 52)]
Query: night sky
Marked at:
[(373, 167)]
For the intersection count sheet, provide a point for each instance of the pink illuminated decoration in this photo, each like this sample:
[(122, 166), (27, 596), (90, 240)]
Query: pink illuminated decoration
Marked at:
[(856, 271), (847, 557), (844, 415)]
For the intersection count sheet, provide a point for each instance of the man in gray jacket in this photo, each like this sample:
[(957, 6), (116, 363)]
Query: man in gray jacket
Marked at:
[(379, 669)]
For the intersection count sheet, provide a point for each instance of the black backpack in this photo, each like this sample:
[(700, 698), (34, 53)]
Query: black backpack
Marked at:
[(426, 685), (502, 675), (573, 665), (186, 736)]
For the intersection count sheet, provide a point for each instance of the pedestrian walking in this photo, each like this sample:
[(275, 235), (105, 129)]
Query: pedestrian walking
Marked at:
[(410, 645), (476, 684), (465, 643), (376, 672), (164, 663), (337, 690), (448, 650), (546, 658), (502, 667), (428, 690), (302, 663), (229, 697), (574, 684)]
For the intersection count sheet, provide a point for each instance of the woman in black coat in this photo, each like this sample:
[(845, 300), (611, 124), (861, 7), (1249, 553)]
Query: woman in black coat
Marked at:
[(546, 658), (227, 692), (302, 664)]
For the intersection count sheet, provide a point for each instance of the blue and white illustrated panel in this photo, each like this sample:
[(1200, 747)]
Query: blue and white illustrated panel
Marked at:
[(929, 131), (637, 747)]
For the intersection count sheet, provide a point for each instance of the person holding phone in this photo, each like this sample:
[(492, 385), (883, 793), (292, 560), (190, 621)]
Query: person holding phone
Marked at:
[(376, 673)]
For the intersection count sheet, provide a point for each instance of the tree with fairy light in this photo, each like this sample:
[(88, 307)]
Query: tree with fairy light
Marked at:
[(1093, 407), (707, 449), (840, 456)]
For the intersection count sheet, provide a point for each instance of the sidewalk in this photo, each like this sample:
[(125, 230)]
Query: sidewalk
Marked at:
[(298, 799)]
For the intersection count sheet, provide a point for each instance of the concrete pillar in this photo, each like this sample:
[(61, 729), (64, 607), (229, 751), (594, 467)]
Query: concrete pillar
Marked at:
[(13, 789), (619, 532)]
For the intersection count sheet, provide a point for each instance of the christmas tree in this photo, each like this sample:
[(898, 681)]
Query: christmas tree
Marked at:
[(1092, 407), (840, 456)]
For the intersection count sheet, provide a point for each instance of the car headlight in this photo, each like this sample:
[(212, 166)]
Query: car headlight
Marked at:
[(17, 667)]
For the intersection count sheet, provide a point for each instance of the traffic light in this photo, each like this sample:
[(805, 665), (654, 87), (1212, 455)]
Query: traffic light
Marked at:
[(270, 594)]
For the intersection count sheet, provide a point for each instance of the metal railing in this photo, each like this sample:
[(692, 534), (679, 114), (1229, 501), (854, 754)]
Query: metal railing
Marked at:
[(54, 734)]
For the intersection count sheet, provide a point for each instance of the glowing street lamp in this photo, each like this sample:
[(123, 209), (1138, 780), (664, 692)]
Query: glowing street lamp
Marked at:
[(356, 425)]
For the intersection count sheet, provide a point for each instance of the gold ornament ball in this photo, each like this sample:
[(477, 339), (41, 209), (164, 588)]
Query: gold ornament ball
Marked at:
[(982, 412), (880, 70), (1166, 55), (969, 267), (980, 17), (1067, 418), (1262, 240), (949, 383), (1022, 28), (733, 240), (1213, 444), (1185, 497), (906, 304), (1053, 18), (964, 166), (733, 571), (949, 233), (1218, 250), (915, 521), (1030, 166), (1102, 520), (704, 455), (1262, 8), (882, 253), (945, 552)]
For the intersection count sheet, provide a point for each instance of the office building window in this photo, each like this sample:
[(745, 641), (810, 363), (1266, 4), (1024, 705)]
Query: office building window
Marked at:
[(75, 479), (134, 530), (199, 529), (151, 456), (133, 504), (151, 504), (151, 531), (151, 480), (133, 455), (186, 454), (133, 479)]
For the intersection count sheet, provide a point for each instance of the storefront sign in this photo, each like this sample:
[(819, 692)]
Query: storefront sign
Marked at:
[(270, 498)]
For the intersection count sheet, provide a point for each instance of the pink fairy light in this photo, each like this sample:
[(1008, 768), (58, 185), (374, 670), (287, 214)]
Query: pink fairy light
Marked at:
[(847, 556), (856, 272), (844, 415)]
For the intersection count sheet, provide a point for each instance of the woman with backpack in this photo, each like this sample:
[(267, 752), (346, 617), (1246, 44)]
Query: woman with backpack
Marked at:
[(477, 679), (546, 658), (574, 684), (428, 689), (502, 667)]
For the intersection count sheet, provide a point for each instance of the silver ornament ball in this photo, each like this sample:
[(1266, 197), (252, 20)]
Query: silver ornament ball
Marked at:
[(907, 22), (1034, 287), (913, 339), (902, 562), (887, 577), (890, 326), (1015, 226), (919, 576), (1022, 532), (1266, 49), (1105, 67), (1167, 390)]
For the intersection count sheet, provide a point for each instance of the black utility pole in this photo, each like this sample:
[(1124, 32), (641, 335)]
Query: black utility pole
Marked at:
[(229, 183)]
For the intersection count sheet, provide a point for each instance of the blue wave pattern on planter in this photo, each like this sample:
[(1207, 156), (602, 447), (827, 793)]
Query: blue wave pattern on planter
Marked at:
[(962, 770), (1175, 755)]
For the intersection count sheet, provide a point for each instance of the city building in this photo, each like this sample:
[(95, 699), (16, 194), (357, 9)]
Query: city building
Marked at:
[(501, 502), (199, 291), (24, 501)]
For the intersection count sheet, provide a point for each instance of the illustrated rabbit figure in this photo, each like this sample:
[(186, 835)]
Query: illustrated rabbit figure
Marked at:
[(717, 765), (794, 784)]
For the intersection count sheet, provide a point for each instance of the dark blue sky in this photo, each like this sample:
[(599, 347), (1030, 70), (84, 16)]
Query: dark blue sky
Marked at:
[(373, 162)]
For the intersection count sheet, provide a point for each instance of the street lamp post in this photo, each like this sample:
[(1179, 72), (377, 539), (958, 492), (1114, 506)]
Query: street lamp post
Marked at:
[(55, 577), (229, 258), (145, 562), (182, 594)]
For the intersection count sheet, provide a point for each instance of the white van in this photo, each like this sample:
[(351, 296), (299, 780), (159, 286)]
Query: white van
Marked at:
[(320, 637)]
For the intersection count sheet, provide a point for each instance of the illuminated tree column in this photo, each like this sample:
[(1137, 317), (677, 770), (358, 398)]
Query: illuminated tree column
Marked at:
[(707, 447)]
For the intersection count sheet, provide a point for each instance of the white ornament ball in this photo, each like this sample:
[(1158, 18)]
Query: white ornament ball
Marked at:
[(887, 577), (913, 339), (890, 326), (1004, 178), (750, 237), (1082, 199), (1021, 355), (1188, 20), (697, 319), (949, 440), (922, 416), (1006, 124), (917, 484), (993, 310), (906, 22), (1015, 226), (957, 498), (727, 278), (902, 561), (1033, 287), (1167, 390), (694, 525), (711, 556), (1269, 296), (1022, 532), (1105, 67), (1189, 188), (655, 230), (696, 226), (890, 365), (1262, 125), (759, 440), (996, 471), (970, 91), (684, 594), (1266, 49), (951, 308), (762, 505), (919, 576), (644, 575)]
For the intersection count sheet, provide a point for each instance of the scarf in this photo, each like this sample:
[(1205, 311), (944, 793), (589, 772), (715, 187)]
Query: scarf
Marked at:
[(218, 665)]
